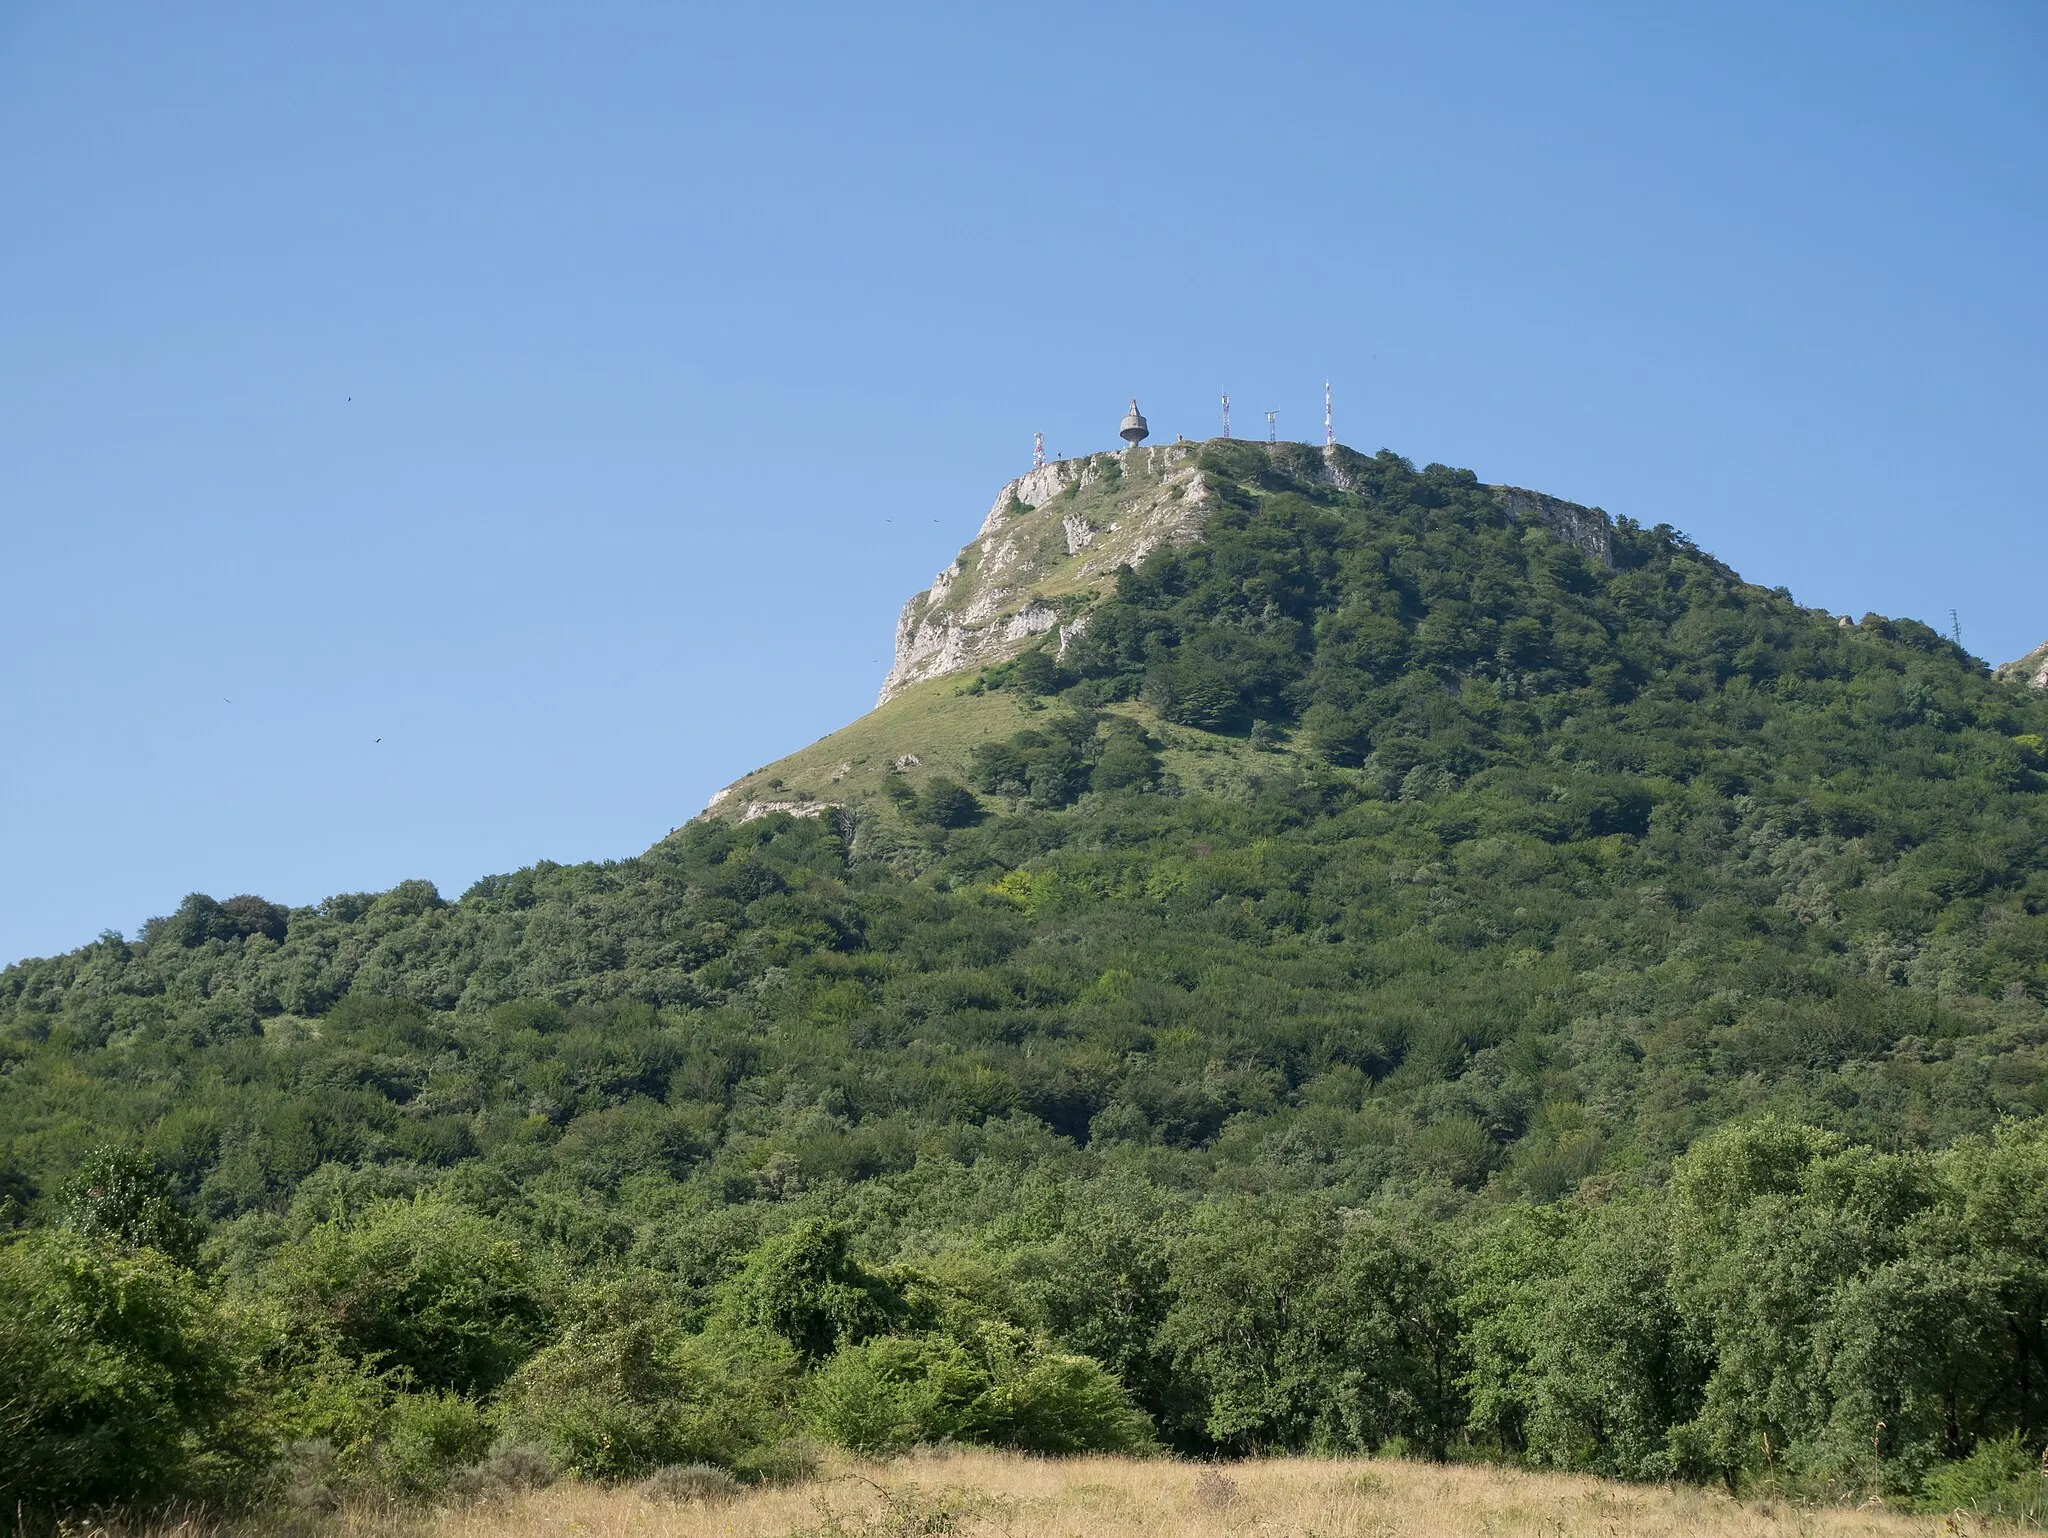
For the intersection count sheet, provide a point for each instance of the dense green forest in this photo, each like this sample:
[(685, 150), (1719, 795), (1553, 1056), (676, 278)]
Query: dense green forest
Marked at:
[(1597, 1022)]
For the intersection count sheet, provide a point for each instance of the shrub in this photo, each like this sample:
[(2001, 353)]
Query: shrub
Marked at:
[(681, 1482), (1038, 672), (2001, 1479), (947, 803), (512, 1466), (428, 1286), (1060, 1403), (427, 1437), (805, 1286), (617, 1401), (999, 1388), (885, 1395), (1126, 760), (340, 1403), (121, 1380)]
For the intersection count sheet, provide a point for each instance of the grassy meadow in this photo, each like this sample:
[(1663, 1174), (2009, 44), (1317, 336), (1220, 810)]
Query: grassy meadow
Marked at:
[(988, 1494)]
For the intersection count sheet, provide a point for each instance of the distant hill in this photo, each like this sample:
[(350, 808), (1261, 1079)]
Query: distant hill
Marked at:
[(1242, 824)]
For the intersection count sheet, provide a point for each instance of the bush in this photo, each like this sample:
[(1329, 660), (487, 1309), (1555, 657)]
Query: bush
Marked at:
[(511, 1467), (1000, 1389), (1126, 760), (805, 1286), (682, 1482), (379, 1444), (427, 1437), (1054, 765), (947, 803), (1061, 1403), (616, 1402), (340, 1403), (121, 1380), (1038, 672), (885, 1395), (430, 1287), (2001, 1479)]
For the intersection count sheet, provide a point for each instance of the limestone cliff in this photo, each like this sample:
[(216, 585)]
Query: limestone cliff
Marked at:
[(1586, 527), (1055, 537), (1052, 536), (2031, 670)]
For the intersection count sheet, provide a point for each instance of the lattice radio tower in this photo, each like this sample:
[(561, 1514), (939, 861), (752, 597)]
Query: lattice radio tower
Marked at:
[(1329, 433), (1272, 432), (1038, 451), (1226, 416)]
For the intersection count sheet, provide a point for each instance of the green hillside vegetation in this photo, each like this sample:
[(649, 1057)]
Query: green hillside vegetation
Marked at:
[(1396, 982), (929, 730)]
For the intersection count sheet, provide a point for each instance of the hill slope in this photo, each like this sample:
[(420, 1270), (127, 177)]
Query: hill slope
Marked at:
[(1399, 783), (1388, 881)]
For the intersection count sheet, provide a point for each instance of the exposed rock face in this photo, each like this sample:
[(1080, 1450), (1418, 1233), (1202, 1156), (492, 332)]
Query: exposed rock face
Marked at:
[(1586, 527), (2031, 670), (794, 808), (1044, 549), (1055, 535)]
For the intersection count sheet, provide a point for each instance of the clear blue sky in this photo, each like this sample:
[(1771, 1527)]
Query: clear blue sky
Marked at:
[(570, 396)]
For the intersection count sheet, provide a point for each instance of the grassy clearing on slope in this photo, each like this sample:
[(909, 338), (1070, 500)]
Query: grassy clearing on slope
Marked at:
[(934, 722), (940, 725)]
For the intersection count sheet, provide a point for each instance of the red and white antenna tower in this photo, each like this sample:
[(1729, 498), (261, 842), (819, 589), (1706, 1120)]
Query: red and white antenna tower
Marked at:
[(1038, 451), (1329, 432), (1226, 416), (1272, 432)]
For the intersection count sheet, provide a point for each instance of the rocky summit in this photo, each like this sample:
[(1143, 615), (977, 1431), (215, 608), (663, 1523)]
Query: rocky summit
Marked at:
[(1045, 554)]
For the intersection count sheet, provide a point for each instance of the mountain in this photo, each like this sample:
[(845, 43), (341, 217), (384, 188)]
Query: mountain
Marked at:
[(1301, 935)]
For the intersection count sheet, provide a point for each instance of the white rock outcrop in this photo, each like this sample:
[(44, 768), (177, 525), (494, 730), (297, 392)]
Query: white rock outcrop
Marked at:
[(987, 605), (2031, 670), (1055, 533), (794, 808), (1586, 527)]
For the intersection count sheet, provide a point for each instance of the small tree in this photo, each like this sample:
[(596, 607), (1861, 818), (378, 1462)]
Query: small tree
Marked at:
[(121, 1196), (946, 803), (804, 1286)]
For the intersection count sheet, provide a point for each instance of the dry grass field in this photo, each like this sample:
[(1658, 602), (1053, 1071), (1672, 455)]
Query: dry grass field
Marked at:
[(993, 1495)]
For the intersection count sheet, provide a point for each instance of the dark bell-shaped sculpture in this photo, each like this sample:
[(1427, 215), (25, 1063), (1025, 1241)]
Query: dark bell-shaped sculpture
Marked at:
[(1134, 431)]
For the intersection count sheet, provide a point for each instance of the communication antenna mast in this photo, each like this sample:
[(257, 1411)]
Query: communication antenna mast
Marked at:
[(1955, 628), (1038, 451), (1272, 432), (1329, 433), (1226, 416)]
